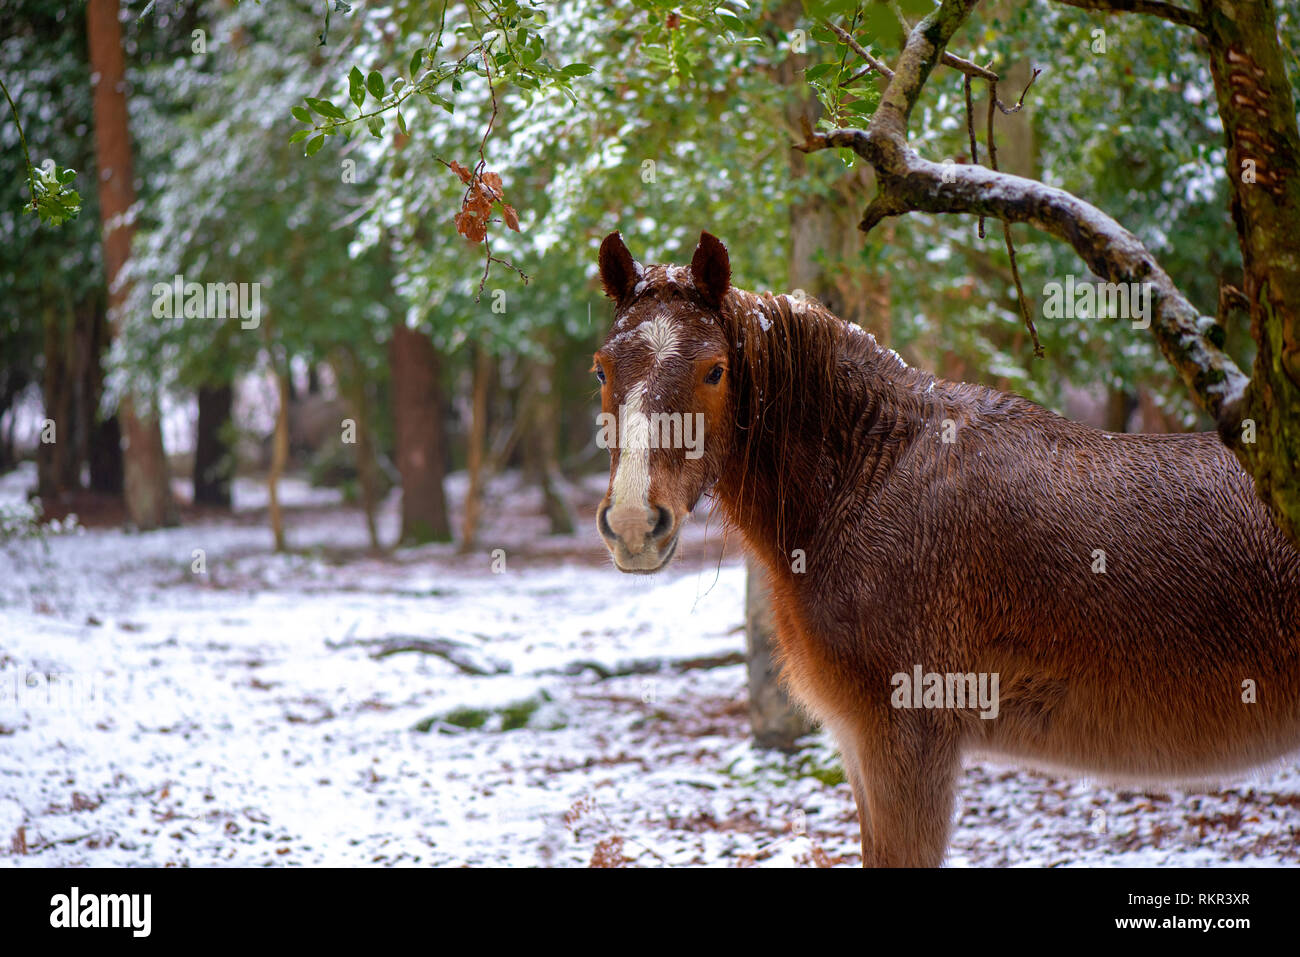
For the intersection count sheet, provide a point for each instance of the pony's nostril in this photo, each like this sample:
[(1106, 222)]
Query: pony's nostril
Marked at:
[(602, 523), (664, 523)]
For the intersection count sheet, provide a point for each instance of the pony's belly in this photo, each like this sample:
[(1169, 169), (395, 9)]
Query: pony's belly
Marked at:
[(1139, 740)]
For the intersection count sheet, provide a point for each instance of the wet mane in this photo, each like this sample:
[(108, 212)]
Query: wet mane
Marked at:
[(801, 371)]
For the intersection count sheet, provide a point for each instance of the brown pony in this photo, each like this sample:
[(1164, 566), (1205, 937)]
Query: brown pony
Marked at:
[(953, 569)]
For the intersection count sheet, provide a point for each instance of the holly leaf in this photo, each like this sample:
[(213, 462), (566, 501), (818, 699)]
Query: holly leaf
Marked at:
[(356, 86), (442, 101), (326, 109)]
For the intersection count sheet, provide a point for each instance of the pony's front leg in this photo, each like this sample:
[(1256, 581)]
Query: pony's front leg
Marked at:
[(906, 771), (853, 772)]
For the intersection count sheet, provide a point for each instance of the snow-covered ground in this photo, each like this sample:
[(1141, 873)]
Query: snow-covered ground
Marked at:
[(249, 714)]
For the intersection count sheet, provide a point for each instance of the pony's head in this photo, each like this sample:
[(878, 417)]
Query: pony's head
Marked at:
[(666, 397)]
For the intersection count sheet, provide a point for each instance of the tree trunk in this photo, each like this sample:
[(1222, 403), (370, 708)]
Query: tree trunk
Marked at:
[(367, 469), (214, 459), (541, 442), (352, 385), (421, 439), (146, 483), (106, 457), (51, 473), (104, 450), (476, 453), (1119, 409), (71, 386), (1259, 124), (776, 721), (279, 458)]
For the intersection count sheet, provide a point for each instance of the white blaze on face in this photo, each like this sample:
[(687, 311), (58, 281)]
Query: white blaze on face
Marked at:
[(632, 479)]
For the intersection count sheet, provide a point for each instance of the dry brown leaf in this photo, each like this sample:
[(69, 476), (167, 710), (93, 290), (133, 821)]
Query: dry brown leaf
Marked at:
[(485, 190), (464, 174)]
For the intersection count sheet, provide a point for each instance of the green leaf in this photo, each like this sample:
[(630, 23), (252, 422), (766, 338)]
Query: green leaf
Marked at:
[(576, 69), (417, 61), (881, 23), (299, 136), (375, 84), (437, 100), (376, 124), (301, 114), (326, 109), (314, 145), (401, 122), (356, 86), (55, 204)]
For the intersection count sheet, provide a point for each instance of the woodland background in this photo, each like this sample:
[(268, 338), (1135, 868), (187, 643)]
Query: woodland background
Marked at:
[(372, 303)]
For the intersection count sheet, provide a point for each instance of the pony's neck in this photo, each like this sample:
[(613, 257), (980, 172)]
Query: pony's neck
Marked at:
[(823, 412)]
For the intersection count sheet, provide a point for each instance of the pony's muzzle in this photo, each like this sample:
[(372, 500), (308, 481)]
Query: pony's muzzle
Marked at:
[(640, 537)]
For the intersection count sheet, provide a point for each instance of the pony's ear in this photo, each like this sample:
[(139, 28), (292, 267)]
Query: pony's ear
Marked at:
[(711, 269), (618, 270)]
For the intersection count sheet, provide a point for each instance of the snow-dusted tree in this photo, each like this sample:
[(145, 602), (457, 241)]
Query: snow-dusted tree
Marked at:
[(147, 484)]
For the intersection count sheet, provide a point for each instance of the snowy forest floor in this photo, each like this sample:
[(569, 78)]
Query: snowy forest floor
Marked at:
[(266, 713)]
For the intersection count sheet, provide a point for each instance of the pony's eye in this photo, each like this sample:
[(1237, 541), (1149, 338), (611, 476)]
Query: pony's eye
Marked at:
[(714, 376), (600, 375)]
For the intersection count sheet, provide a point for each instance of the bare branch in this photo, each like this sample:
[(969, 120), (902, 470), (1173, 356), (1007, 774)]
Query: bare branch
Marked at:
[(1026, 313), (970, 132), (1008, 110), (967, 67), (1153, 8), (860, 50)]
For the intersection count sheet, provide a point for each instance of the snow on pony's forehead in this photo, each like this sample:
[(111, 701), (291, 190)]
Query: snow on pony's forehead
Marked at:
[(665, 278)]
